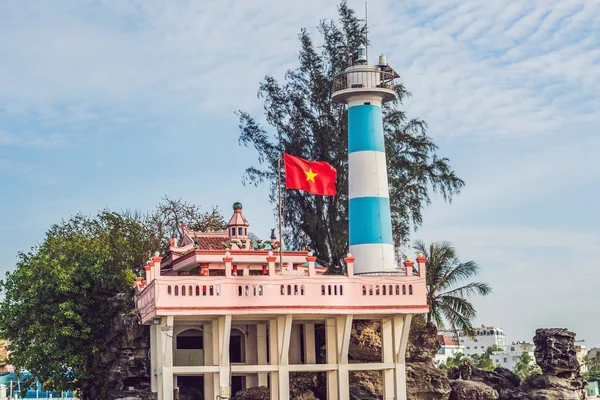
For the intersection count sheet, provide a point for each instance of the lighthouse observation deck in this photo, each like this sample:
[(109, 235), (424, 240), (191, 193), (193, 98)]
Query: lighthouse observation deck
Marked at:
[(365, 80)]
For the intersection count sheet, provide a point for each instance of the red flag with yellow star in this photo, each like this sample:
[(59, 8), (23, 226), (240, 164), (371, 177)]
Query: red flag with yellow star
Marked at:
[(316, 177)]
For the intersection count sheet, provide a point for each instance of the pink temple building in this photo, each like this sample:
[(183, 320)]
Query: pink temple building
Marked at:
[(234, 318), (226, 313)]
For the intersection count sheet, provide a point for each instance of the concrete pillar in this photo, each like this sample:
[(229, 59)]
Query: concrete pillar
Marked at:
[(343, 329), (295, 348), (224, 333), (261, 351), (207, 340), (284, 330), (251, 347), (331, 358), (273, 357), (215, 354), (310, 350), (401, 330), (388, 356), (166, 333), (154, 332)]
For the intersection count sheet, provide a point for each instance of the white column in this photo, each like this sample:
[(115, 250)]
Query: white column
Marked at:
[(261, 353), (154, 332), (216, 357), (310, 350), (166, 333), (207, 339), (343, 330), (332, 358), (295, 348), (388, 354), (274, 357), (224, 366), (284, 330), (401, 331)]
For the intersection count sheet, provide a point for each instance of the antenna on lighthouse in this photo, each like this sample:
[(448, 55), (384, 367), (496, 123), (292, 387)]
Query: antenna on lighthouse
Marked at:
[(366, 34)]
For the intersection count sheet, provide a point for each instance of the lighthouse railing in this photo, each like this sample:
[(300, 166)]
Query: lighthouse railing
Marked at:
[(364, 78)]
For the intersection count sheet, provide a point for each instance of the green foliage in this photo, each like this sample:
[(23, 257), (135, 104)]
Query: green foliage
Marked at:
[(593, 365), (526, 366), (483, 361), (453, 361), (306, 123), (447, 300), (59, 300)]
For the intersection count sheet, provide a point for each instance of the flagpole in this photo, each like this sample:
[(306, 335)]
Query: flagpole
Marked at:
[(280, 214)]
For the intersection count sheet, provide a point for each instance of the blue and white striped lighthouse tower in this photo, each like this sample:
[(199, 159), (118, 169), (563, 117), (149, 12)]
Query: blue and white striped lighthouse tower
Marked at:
[(364, 88)]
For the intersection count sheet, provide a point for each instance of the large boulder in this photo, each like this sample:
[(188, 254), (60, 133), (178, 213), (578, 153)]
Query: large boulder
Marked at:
[(126, 357), (555, 354), (500, 379), (425, 382), (422, 341), (365, 341), (471, 390)]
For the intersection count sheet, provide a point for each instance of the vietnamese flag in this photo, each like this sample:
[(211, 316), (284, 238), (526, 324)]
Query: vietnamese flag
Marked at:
[(316, 177)]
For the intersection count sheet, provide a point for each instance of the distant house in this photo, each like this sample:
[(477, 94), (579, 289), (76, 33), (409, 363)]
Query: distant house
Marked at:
[(448, 348)]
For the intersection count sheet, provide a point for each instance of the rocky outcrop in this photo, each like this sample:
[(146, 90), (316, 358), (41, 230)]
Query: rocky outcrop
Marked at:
[(425, 382), (126, 357), (556, 355), (471, 390), (500, 379)]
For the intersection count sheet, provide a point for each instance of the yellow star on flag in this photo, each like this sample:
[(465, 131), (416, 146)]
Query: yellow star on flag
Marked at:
[(310, 175)]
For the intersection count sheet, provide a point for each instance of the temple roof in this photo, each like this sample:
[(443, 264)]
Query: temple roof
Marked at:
[(237, 219)]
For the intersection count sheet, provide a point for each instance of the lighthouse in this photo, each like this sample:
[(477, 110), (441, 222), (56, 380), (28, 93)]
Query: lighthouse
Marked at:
[(365, 88)]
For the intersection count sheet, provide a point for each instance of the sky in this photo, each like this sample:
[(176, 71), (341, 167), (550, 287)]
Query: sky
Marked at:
[(114, 104)]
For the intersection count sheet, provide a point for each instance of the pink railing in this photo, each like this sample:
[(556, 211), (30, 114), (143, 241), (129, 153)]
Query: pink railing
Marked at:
[(261, 294)]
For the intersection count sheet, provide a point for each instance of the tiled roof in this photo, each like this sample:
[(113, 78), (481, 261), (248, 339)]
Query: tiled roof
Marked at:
[(211, 242), (446, 341)]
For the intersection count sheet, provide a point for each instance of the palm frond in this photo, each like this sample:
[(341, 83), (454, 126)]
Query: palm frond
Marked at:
[(472, 288)]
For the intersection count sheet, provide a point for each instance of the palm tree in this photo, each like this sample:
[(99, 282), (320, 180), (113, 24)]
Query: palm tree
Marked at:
[(447, 300)]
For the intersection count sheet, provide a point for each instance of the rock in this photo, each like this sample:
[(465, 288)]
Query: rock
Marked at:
[(425, 382), (555, 352), (471, 390), (422, 341), (366, 385), (126, 358), (302, 385), (500, 379), (365, 341), (258, 393)]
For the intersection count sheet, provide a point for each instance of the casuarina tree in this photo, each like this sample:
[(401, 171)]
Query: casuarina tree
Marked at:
[(306, 123)]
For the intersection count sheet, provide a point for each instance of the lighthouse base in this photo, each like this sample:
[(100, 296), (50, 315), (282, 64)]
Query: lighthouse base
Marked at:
[(373, 258)]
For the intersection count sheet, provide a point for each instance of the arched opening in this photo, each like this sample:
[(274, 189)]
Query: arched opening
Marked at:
[(403, 289), (282, 290), (377, 290), (322, 290), (237, 346), (384, 290), (183, 290), (176, 290), (169, 290), (302, 290), (189, 348), (391, 291), (341, 290), (197, 290), (409, 289)]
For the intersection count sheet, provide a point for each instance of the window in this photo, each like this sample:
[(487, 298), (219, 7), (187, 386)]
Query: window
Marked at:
[(240, 231), (232, 231), (468, 348), (505, 360), (189, 340), (512, 349)]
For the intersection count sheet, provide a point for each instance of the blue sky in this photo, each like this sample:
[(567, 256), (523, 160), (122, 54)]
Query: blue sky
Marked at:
[(115, 104)]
